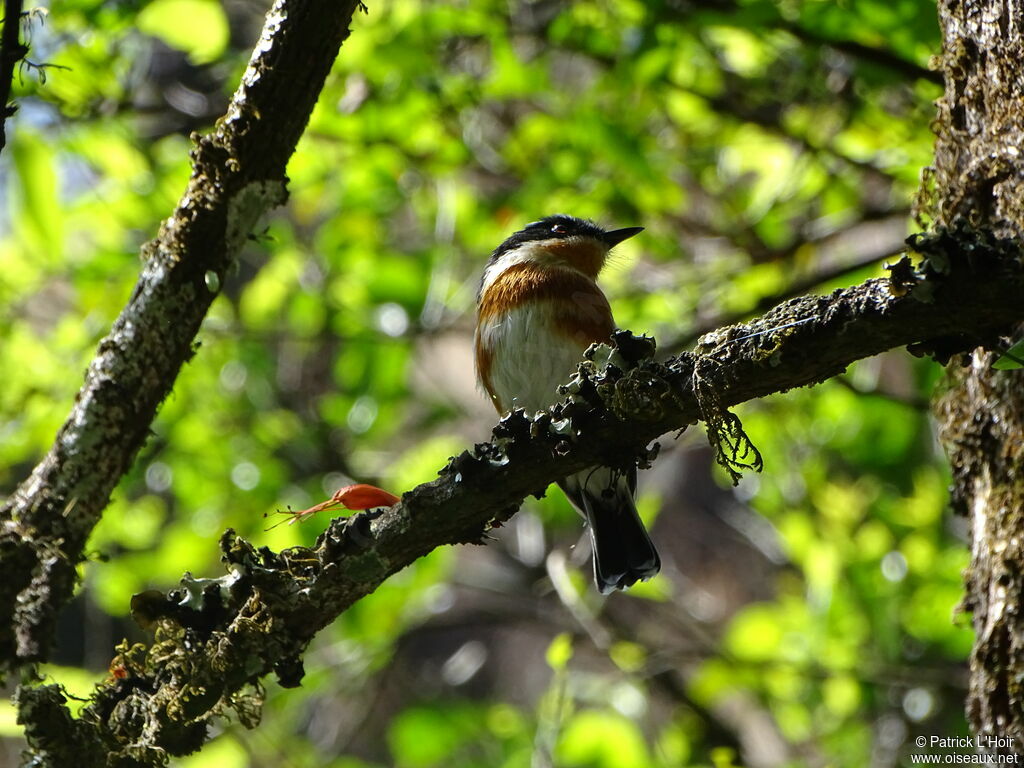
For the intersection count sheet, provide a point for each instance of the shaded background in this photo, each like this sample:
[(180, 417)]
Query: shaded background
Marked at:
[(804, 618)]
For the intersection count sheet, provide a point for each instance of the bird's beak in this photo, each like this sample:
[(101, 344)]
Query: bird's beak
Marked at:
[(616, 236)]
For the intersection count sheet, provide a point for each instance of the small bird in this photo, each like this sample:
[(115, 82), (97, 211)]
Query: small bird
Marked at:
[(538, 309)]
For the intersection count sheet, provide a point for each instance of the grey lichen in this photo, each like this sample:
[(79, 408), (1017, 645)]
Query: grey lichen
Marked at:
[(247, 206)]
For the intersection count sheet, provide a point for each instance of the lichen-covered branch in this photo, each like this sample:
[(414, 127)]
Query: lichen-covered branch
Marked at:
[(237, 175), (978, 176), (217, 638)]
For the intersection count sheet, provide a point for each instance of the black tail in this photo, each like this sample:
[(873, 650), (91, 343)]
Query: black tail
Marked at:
[(623, 552)]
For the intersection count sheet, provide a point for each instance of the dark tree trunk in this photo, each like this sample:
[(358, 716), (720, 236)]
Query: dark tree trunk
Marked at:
[(979, 179)]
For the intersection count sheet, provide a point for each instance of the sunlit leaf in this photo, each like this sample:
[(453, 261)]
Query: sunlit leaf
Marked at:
[(559, 651), (424, 737), (197, 27), (602, 739), (37, 211)]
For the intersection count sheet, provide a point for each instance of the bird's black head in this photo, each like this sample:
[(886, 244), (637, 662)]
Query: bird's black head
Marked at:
[(562, 226)]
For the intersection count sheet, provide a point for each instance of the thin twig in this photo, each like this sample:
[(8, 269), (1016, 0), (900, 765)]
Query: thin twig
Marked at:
[(796, 288), (883, 57)]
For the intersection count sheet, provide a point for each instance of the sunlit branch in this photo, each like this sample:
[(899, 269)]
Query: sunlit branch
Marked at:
[(237, 176)]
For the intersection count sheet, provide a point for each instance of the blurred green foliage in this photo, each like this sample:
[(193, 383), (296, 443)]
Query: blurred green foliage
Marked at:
[(764, 144)]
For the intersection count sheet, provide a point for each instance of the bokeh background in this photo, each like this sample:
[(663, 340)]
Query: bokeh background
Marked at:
[(771, 148)]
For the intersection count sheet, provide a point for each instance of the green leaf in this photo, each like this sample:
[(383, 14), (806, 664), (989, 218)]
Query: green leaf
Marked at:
[(842, 695), (1012, 359), (37, 215), (629, 657), (603, 740), (422, 737), (560, 651), (197, 27), (756, 633)]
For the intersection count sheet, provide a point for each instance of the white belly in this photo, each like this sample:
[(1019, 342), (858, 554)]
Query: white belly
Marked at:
[(530, 360)]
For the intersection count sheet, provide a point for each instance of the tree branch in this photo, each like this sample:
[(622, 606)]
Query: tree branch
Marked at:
[(882, 57), (237, 175), (978, 175), (215, 639), (12, 50), (796, 288)]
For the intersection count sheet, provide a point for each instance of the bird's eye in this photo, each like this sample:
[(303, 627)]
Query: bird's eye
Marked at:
[(558, 229)]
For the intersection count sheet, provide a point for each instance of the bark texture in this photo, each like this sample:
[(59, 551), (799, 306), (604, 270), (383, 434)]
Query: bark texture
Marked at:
[(238, 174), (978, 178)]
